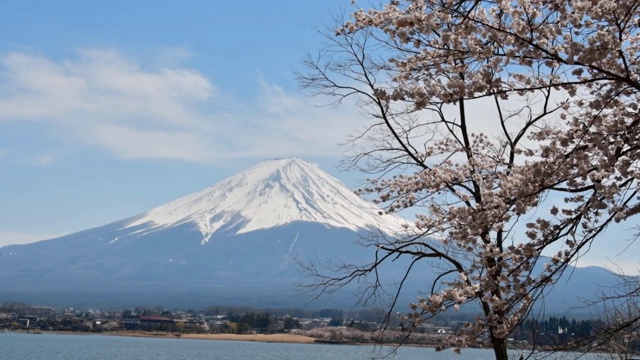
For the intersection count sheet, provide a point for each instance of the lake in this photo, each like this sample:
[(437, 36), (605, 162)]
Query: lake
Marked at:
[(19, 346)]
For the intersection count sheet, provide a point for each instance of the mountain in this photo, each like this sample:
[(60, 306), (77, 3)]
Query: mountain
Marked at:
[(236, 242), (273, 193)]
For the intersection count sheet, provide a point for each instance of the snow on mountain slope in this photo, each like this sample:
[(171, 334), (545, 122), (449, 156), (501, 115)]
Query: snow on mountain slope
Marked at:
[(272, 193)]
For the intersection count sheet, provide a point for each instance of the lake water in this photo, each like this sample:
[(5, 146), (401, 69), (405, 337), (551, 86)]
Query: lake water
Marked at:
[(17, 346)]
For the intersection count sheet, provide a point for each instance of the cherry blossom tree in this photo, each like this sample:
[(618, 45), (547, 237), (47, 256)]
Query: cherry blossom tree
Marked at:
[(512, 128)]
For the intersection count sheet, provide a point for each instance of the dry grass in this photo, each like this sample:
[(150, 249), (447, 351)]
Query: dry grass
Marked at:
[(275, 338), (279, 338)]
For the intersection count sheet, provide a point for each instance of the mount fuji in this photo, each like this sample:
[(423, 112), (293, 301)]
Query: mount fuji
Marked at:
[(272, 194), (236, 241)]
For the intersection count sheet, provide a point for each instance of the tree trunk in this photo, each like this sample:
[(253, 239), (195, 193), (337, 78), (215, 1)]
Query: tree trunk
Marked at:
[(499, 348)]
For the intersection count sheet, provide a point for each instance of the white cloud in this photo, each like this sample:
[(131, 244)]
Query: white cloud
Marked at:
[(103, 99), (45, 159), (170, 57), (132, 143)]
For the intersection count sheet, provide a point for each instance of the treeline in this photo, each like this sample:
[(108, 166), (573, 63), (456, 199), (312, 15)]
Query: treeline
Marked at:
[(15, 307), (557, 331), (251, 321), (361, 315), (258, 322)]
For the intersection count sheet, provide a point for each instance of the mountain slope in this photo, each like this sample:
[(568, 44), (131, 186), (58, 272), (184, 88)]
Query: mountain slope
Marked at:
[(270, 194)]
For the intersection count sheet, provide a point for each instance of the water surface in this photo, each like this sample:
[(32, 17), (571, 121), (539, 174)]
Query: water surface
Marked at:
[(19, 346)]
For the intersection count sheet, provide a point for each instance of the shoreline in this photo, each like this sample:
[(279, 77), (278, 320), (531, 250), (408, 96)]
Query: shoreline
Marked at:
[(267, 338), (264, 338)]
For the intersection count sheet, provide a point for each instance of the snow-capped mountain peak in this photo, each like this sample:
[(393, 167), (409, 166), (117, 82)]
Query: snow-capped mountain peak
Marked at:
[(270, 194)]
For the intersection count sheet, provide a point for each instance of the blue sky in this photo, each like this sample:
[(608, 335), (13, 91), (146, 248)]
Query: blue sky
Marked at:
[(110, 108)]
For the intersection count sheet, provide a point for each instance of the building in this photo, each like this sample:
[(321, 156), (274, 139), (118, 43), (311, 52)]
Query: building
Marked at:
[(156, 323)]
